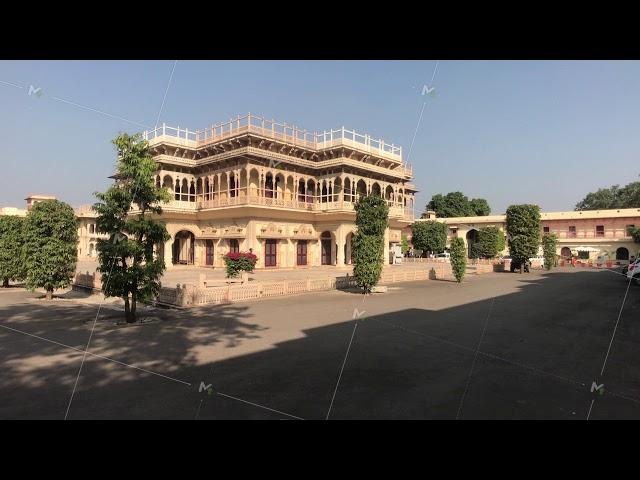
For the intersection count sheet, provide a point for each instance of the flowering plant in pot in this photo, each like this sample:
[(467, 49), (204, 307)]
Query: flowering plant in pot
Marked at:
[(237, 262)]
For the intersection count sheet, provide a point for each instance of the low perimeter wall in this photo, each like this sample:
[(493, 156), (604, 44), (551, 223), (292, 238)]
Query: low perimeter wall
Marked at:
[(187, 295)]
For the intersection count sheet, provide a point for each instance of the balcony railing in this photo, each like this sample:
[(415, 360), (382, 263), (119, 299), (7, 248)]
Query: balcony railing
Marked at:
[(277, 131), (582, 234), (276, 199)]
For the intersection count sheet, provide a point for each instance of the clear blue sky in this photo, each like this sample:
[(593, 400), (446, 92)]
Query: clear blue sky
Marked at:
[(544, 132)]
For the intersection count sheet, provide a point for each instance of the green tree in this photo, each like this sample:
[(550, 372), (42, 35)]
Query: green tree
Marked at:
[(549, 246), (523, 231), (491, 242), (429, 236), (635, 233), (480, 207), (129, 269), (612, 197), (456, 204), (372, 214), (404, 246), (11, 243), (458, 258), (50, 246)]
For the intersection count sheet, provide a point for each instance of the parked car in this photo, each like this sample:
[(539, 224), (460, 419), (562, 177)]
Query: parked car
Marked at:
[(446, 255), (631, 265), (633, 271)]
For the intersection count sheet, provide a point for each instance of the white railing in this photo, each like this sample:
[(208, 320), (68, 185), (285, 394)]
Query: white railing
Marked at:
[(278, 131)]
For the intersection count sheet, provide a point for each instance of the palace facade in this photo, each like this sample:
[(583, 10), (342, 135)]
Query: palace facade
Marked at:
[(587, 234), (283, 193)]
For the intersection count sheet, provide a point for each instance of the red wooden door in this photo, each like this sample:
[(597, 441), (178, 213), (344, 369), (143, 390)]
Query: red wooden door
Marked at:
[(209, 253), (270, 256)]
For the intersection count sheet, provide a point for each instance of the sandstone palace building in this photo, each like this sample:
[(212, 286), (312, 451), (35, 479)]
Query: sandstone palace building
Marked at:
[(284, 193)]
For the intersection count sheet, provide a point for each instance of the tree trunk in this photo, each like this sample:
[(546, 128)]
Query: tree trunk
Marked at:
[(127, 309), (134, 304), (49, 294), (5, 282)]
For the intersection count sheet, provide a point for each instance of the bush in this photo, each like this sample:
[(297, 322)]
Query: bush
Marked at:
[(549, 245), (429, 236), (372, 214), (458, 258), (237, 262), (523, 229), (11, 240), (491, 241)]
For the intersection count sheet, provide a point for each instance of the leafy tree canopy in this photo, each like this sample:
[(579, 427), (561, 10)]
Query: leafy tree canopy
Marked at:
[(11, 243), (523, 231), (612, 197), (430, 236), (50, 246), (456, 204), (458, 258), (129, 267), (549, 246), (491, 241), (372, 213)]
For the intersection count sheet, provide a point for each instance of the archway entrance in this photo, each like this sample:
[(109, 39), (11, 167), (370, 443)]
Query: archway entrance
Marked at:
[(348, 249), (325, 248), (183, 248), (622, 254), (472, 239), (565, 252)]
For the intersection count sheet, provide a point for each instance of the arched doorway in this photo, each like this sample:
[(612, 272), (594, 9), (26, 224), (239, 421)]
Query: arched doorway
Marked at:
[(325, 248), (209, 249), (565, 252), (622, 254), (183, 248), (348, 249), (472, 239)]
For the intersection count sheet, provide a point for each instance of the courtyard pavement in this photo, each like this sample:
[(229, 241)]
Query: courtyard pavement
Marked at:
[(498, 346)]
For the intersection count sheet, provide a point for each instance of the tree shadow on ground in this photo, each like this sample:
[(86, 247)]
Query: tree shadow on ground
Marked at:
[(542, 344)]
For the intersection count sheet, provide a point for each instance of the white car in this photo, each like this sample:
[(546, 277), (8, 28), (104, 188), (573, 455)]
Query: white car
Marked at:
[(633, 271), (445, 255)]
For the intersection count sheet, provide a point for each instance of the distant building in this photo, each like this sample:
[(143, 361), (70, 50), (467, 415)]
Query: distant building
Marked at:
[(87, 234), (589, 234)]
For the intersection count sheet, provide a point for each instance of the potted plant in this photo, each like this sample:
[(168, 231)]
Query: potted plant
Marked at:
[(236, 262)]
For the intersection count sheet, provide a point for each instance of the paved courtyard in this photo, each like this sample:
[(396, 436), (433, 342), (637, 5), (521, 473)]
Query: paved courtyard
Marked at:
[(499, 346)]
